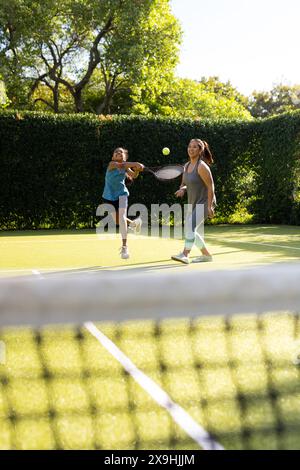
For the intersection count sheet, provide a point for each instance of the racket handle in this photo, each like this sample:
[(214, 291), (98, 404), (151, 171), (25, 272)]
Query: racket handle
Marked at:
[(148, 170)]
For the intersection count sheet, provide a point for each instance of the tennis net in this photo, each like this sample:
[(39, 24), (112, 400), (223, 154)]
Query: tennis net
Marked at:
[(178, 361)]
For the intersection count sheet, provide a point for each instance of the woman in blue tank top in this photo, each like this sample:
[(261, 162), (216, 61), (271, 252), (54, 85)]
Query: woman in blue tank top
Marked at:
[(116, 194), (197, 182)]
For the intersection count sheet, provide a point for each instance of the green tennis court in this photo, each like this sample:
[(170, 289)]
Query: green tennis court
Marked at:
[(83, 251), (61, 389)]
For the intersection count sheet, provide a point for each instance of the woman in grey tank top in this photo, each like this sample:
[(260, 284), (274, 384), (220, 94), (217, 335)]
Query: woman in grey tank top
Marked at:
[(197, 182)]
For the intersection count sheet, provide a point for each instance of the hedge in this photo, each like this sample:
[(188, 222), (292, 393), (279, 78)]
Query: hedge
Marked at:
[(52, 167)]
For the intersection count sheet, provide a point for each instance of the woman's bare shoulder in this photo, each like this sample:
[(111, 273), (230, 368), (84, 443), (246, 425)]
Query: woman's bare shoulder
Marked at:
[(203, 166)]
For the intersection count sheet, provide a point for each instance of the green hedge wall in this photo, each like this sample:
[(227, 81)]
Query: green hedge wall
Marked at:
[(52, 166)]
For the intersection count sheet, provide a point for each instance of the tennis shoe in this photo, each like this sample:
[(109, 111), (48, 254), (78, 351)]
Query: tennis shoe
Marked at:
[(136, 225), (182, 258), (203, 259), (124, 252)]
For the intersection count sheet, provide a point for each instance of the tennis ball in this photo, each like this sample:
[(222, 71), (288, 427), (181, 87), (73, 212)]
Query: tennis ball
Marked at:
[(166, 151)]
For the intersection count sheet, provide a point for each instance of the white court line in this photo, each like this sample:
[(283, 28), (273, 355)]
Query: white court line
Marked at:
[(45, 270), (179, 415), (112, 236), (257, 243), (12, 270), (102, 237), (46, 241), (37, 273)]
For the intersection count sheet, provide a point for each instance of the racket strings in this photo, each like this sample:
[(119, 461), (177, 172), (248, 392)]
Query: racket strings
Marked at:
[(168, 172)]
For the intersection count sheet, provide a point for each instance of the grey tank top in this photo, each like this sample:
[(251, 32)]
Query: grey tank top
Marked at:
[(196, 188)]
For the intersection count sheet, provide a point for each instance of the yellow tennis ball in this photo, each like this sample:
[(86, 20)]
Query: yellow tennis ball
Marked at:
[(166, 151)]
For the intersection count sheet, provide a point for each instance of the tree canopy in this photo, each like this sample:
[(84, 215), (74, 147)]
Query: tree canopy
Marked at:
[(189, 98), (113, 57), (280, 99), (60, 45)]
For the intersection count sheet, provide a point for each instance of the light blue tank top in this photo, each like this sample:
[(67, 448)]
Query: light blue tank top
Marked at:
[(115, 184)]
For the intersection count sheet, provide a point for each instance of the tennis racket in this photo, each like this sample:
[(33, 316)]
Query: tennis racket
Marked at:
[(165, 173)]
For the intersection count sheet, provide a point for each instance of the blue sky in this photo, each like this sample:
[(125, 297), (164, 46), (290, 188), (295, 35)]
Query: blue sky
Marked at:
[(253, 43)]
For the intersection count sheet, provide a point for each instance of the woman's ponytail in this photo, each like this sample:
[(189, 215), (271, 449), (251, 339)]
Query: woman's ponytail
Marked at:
[(207, 155)]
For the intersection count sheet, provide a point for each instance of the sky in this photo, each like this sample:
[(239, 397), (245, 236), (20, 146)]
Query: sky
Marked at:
[(254, 44)]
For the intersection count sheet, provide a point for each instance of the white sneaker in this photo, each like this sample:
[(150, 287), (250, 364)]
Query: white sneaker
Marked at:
[(124, 252), (182, 258), (203, 259), (136, 225)]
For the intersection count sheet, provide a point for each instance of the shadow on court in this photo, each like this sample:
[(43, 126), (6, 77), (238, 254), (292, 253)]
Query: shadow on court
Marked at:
[(158, 265), (132, 268)]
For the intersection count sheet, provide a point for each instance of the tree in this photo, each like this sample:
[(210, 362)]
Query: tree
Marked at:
[(42, 99), (16, 18), (149, 59), (188, 98), (280, 99), (62, 44), (3, 96), (214, 85)]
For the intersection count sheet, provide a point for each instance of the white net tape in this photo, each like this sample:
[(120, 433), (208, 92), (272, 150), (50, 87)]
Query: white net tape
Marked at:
[(116, 297)]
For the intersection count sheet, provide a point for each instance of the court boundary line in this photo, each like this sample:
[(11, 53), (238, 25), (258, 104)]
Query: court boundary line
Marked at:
[(258, 243), (37, 273), (45, 270), (99, 237), (147, 237), (178, 414)]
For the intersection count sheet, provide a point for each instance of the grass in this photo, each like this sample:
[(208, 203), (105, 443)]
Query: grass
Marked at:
[(60, 388)]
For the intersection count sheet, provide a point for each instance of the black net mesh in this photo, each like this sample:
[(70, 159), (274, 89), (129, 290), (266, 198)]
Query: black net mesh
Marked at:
[(238, 376)]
